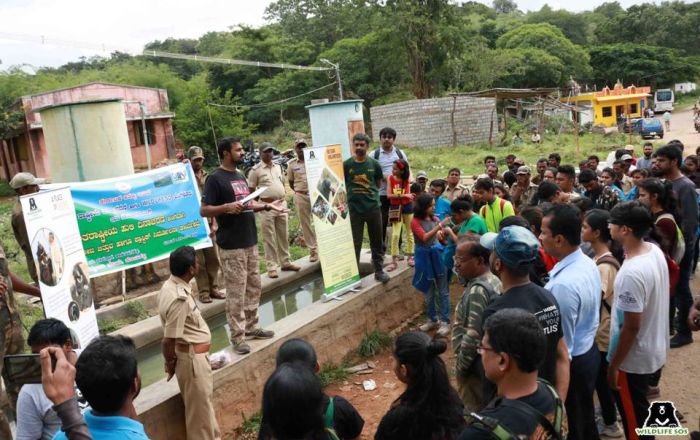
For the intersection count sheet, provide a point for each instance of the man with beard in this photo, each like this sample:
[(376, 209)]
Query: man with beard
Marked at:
[(386, 155), (645, 162), (668, 162), (363, 177), (237, 238)]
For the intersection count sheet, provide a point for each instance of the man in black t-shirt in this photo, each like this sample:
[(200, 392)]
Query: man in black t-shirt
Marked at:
[(515, 250), (512, 349), (223, 198)]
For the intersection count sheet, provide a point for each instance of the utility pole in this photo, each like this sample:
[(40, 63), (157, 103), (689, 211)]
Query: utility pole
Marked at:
[(336, 67)]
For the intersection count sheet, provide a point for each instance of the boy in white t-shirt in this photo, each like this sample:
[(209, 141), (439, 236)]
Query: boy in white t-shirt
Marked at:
[(639, 323)]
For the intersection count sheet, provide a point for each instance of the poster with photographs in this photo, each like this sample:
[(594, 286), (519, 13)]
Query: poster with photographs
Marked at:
[(60, 261), (329, 209)]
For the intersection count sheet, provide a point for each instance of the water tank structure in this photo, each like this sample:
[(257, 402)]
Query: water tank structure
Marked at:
[(86, 140), (336, 123)]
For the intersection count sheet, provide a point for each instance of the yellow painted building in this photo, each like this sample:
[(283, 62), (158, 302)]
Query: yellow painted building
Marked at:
[(609, 104)]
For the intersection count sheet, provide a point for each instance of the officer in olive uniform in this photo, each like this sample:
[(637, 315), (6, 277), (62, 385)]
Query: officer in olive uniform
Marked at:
[(208, 258), (23, 184), (11, 340), (186, 343)]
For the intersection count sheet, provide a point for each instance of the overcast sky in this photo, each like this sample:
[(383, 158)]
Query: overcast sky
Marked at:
[(128, 25)]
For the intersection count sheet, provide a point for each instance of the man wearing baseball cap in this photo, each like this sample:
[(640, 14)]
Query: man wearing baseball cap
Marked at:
[(524, 190), (274, 224), (296, 175), (24, 184), (208, 258), (514, 251), (422, 179)]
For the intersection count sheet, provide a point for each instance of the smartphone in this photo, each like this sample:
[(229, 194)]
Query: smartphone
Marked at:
[(25, 368)]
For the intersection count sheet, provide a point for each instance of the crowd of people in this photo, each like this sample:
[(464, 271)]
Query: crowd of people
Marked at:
[(576, 284)]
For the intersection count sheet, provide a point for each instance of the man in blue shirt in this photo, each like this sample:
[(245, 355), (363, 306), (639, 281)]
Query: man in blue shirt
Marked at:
[(575, 283), (442, 204), (107, 375)]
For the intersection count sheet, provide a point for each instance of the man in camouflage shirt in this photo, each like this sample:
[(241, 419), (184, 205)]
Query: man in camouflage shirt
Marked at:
[(11, 340), (472, 264), (602, 196)]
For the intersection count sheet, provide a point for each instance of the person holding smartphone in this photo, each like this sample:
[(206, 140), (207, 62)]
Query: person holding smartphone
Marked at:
[(35, 417)]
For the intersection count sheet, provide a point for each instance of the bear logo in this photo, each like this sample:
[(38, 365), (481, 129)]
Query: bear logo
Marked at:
[(662, 414)]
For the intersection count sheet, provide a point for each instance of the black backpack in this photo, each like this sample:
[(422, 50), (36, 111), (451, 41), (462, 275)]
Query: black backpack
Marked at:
[(501, 432), (398, 153)]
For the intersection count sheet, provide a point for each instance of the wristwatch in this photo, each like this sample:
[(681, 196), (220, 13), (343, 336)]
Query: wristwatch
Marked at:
[(267, 207)]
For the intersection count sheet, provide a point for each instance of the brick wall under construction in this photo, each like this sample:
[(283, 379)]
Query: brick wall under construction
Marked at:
[(438, 122)]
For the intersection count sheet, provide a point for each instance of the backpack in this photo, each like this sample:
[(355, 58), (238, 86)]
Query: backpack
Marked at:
[(608, 259), (328, 425), (398, 153), (490, 292), (680, 241), (501, 432), (482, 211)]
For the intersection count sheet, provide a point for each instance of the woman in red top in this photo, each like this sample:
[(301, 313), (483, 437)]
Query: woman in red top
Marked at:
[(400, 211)]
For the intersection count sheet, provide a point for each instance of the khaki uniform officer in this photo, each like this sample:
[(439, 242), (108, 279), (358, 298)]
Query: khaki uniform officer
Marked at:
[(11, 340), (296, 174), (186, 343), (208, 258), (23, 184), (274, 224)]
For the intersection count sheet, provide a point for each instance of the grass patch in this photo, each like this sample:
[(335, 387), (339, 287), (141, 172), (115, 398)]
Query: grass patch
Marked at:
[(29, 314), (6, 190), (15, 257), (135, 312), (331, 373), (374, 343), (251, 424), (110, 325), (470, 158)]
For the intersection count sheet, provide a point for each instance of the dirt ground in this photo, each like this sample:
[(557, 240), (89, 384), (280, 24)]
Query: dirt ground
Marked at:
[(683, 129)]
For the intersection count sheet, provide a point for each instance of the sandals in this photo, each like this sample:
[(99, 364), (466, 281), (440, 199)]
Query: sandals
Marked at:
[(391, 266), (411, 261)]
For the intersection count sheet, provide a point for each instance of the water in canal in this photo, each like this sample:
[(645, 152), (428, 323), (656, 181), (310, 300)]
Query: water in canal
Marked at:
[(274, 306)]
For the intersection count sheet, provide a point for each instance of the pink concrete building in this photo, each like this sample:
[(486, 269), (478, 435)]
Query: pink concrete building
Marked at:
[(26, 150)]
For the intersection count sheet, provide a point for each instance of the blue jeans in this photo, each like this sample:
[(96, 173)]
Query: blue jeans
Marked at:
[(441, 287)]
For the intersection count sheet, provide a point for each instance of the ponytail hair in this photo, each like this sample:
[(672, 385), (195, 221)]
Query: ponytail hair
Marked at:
[(462, 204), (665, 196), (598, 219), (428, 391)]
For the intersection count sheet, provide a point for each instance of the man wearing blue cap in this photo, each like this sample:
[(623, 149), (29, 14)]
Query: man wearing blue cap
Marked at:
[(575, 283), (515, 250)]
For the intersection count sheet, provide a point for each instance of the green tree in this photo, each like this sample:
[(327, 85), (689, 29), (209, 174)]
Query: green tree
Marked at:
[(428, 31), (324, 22), (369, 76), (504, 6), (574, 26), (668, 24), (192, 124), (548, 39), (640, 64)]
